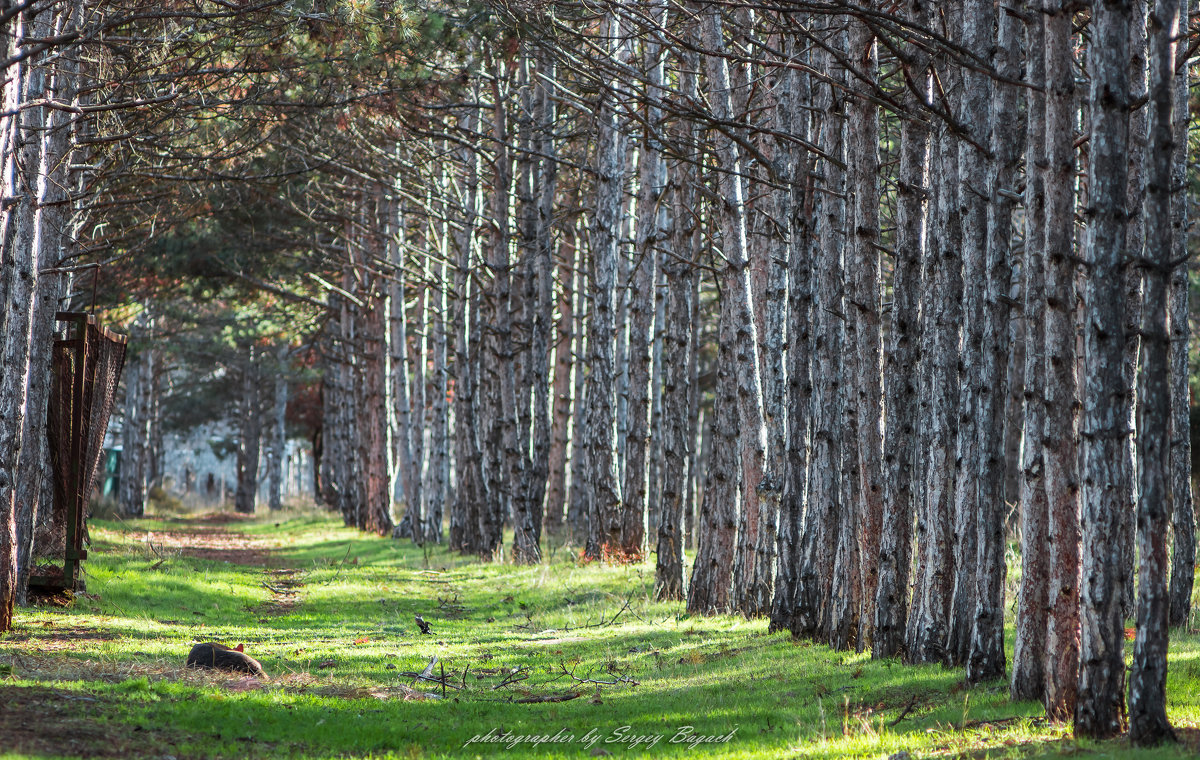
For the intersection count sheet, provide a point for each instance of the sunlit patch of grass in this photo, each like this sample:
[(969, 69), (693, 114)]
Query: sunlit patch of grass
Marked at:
[(331, 620)]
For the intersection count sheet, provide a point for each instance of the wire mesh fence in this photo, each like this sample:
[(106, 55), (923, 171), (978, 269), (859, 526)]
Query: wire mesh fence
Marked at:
[(85, 371)]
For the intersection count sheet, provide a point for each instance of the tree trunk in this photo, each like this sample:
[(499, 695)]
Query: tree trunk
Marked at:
[(468, 459), (135, 429), (600, 437), (790, 400), (901, 456), (1183, 520), (538, 310), (941, 318), (19, 278), (277, 435), (405, 428), (651, 233), (977, 18), (865, 307), (738, 291), (439, 456), (678, 383), (1029, 647), (249, 434), (712, 573), (556, 489), (1100, 712), (820, 532), (1135, 236), (372, 426), (577, 508), (676, 428), (986, 660), (1148, 723), (53, 129), (1060, 446)]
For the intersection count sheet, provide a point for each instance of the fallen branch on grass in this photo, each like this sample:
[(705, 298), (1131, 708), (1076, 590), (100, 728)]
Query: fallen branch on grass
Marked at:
[(512, 677), (904, 713), (620, 680), (535, 698)]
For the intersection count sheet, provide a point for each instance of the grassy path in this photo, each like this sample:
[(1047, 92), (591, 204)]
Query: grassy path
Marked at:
[(565, 651)]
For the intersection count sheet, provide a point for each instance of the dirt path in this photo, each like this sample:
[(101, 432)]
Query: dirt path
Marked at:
[(207, 538)]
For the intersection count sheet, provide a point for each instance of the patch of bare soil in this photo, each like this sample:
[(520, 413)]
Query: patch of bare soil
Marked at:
[(222, 518), (208, 542), (54, 722)]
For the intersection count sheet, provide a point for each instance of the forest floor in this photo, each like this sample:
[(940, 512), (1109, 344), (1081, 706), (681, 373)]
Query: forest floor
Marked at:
[(577, 655)]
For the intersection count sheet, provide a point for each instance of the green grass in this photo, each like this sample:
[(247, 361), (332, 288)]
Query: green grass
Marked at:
[(106, 672)]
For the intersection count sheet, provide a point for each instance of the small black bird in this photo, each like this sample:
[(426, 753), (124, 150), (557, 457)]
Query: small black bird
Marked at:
[(423, 625)]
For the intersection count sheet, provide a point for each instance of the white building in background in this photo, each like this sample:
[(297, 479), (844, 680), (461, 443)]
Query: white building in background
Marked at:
[(200, 468)]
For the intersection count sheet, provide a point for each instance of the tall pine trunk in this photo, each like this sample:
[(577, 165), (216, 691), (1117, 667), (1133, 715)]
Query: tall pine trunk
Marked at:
[(600, 436), (1148, 723), (1100, 711), (986, 660), (1060, 447), (1183, 520), (1029, 646), (901, 454)]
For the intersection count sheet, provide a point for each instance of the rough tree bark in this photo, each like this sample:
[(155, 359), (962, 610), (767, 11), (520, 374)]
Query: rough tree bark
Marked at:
[(556, 489), (1183, 521), (404, 428), (793, 208), (865, 306), (712, 573), (651, 231), (19, 272), (438, 475), (600, 435), (1100, 711), (678, 417), (249, 433), (820, 531), (1148, 723), (135, 428), (668, 571), (577, 503), (941, 318), (737, 290), (52, 131), (902, 451), (1135, 236), (977, 18), (1060, 445), (986, 660), (469, 492), (1029, 646)]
